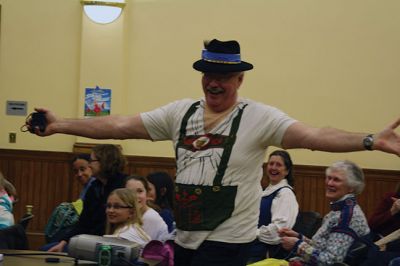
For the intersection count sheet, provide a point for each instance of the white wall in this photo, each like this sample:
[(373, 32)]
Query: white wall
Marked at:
[(327, 63)]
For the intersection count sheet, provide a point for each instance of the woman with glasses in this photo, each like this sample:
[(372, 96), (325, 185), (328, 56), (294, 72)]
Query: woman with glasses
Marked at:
[(124, 219), (107, 164)]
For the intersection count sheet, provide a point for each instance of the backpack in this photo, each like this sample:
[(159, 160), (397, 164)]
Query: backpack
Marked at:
[(63, 219)]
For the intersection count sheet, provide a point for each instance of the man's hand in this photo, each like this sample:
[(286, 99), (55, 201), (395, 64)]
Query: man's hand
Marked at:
[(50, 119), (388, 140)]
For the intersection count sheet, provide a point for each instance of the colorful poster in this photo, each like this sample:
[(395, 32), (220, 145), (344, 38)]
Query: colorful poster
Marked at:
[(97, 101)]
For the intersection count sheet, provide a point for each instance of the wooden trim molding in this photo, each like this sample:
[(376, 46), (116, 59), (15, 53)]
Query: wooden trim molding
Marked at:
[(80, 147)]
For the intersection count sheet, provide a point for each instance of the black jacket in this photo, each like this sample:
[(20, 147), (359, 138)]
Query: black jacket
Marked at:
[(92, 220)]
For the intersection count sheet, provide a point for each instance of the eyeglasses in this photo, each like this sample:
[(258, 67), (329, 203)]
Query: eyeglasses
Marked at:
[(116, 206)]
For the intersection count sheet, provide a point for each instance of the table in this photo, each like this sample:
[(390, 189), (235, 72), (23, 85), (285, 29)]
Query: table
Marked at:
[(35, 258)]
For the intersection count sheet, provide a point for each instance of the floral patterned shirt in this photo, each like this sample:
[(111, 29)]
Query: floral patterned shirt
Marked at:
[(339, 228)]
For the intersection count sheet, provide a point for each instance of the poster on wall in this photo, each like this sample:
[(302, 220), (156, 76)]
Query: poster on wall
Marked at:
[(97, 101)]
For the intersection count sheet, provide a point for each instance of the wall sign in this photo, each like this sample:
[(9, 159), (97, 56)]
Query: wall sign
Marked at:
[(16, 108)]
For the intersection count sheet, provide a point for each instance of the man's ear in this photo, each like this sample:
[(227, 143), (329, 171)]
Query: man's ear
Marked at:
[(163, 190)]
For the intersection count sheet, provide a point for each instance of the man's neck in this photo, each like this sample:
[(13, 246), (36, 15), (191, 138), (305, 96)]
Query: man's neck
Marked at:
[(212, 118)]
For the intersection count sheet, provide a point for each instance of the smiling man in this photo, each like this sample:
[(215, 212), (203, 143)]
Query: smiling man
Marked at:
[(220, 142)]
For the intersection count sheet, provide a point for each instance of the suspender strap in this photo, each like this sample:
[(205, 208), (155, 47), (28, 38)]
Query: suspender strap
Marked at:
[(346, 213), (182, 131), (228, 148), (192, 109), (265, 207)]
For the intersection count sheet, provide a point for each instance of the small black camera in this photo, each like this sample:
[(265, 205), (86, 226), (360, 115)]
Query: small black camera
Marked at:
[(38, 120)]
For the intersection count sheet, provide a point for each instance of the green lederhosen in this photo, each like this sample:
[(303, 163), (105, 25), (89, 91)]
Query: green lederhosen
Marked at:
[(200, 207)]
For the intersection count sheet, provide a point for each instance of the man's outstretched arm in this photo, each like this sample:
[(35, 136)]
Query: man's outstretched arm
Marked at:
[(105, 127), (299, 135)]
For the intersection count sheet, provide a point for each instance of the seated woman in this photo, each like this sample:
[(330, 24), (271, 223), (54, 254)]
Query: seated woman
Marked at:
[(161, 194), (82, 172), (344, 224), (6, 204), (153, 224), (11, 190), (386, 217), (124, 219), (279, 208)]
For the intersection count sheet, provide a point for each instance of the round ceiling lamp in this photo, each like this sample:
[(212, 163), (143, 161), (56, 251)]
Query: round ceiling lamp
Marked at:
[(103, 12)]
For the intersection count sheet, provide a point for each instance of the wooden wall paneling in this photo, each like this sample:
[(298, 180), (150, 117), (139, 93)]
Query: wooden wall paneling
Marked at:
[(142, 165), (45, 197)]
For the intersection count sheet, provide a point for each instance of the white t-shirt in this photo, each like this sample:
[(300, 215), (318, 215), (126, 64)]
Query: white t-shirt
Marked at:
[(261, 126), (154, 225)]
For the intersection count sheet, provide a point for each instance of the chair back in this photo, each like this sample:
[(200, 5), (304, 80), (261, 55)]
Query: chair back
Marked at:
[(362, 249), (25, 220), (307, 223), (13, 237)]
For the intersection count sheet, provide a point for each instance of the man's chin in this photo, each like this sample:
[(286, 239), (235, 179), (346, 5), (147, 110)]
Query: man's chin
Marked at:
[(213, 101)]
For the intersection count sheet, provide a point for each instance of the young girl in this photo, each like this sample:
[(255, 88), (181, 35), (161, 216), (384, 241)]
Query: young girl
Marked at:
[(124, 219), (153, 224), (161, 193), (6, 205)]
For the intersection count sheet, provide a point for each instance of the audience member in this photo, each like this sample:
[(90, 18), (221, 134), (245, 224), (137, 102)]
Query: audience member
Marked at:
[(344, 224), (11, 191), (107, 164), (161, 193), (6, 203), (124, 219), (386, 217), (66, 215), (153, 224), (82, 172), (279, 208)]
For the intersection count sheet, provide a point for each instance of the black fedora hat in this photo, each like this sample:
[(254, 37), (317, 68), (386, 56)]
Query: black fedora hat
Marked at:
[(221, 57)]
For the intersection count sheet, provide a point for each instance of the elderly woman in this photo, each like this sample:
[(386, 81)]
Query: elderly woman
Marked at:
[(345, 222)]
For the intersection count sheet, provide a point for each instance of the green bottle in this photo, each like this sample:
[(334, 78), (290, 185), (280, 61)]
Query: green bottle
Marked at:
[(105, 255)]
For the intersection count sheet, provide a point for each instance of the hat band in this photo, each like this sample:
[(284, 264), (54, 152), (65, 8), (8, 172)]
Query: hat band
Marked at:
[(220, 58)]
